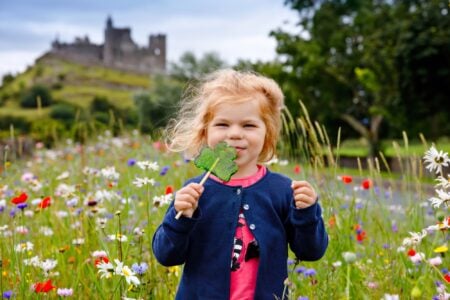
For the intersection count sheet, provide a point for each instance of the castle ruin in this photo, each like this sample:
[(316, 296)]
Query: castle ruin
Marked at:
[(119, 51)]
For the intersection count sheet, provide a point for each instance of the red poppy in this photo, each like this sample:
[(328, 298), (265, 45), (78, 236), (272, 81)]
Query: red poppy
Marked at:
[(447, 277), (411, 252), (346, 179), (367, 184), (20, 199), (169, 189), (101, 259), (297, 169), (46, 202), (332, 221), (361, 236), (43, 287)]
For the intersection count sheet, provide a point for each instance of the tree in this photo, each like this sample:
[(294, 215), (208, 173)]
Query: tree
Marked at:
[(192, 68), (345, 63), (37, 95)]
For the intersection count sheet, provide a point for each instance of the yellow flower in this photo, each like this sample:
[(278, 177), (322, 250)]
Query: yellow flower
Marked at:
[(441, 249)]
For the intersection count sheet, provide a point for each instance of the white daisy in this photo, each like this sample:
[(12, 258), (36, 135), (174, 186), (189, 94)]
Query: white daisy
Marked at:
[(415, 239), (48, 264), (443, 198), (106, 270), (443, 182), (436, 160), (109, 173), (119, 237), (140, 182), (146, 165), (27, 246), (126, 272), (162, 200)]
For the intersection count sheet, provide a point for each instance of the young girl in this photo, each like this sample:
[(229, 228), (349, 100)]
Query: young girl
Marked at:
[(233, 236)]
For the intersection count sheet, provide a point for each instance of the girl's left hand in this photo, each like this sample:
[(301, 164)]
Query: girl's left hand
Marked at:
[(304, 194)]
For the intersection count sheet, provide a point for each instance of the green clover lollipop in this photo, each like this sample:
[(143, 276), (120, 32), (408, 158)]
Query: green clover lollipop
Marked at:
[(218, 161)]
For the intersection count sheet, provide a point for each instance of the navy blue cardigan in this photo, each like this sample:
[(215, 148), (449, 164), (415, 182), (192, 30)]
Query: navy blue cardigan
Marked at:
[(204, 242)]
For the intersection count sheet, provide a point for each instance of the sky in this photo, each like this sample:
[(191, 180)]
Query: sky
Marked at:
[(232, 28)]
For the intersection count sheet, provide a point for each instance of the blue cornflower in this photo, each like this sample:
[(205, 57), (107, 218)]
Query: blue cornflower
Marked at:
[(12, 213), (164, 170), (139, 268), (22, 206), (310, 272), (7, 294), (300, 270), (290, 261), (302, 298), (131, 162)]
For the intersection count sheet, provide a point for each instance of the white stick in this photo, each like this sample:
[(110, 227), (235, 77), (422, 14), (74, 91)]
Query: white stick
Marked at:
[(201, 183)]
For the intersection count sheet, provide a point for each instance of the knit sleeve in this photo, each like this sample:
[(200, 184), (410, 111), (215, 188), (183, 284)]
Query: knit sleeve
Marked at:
[(171, 240), (307, 236)]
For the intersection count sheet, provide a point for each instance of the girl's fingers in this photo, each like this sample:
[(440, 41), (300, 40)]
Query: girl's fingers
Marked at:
[(304, 199), (304, 191)]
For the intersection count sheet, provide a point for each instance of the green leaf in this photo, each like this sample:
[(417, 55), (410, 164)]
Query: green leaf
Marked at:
[(225, 166)]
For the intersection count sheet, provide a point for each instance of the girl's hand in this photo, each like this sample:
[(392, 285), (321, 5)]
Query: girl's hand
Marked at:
[(186, 199), (304, 194)]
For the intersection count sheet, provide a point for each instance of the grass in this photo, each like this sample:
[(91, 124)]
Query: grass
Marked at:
[(370, 222), (79, 84)]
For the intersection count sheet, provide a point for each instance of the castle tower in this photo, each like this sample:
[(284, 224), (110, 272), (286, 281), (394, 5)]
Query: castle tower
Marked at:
[(157, 48), (108, 47)]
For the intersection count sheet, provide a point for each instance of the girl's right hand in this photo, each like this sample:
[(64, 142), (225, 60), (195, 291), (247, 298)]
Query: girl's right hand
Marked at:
[(186, 199)]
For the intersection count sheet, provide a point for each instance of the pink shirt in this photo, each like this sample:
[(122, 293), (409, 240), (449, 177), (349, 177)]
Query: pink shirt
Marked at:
[(243, 272)]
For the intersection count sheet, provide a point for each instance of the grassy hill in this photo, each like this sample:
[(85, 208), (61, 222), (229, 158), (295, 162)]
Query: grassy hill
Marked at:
[(72, 83)]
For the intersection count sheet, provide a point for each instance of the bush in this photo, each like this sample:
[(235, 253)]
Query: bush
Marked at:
[(20, 124), (64, 112), (30, 97)]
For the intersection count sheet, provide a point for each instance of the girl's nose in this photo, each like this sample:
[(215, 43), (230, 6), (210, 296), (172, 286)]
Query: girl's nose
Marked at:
[(235, 132)]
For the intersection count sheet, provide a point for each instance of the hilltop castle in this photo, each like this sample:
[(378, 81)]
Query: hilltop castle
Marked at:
[(119, 51)]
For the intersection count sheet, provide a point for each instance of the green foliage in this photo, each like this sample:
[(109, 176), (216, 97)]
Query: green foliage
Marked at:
[(159, 104), (64, 113), (369, 68), (7, 79), (47, 131), (220, 160), (192, 68), (31, 97), (20, 124)]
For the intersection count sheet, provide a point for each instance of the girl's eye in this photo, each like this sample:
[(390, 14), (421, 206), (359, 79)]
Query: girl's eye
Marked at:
[(250, 125), (221, 124)]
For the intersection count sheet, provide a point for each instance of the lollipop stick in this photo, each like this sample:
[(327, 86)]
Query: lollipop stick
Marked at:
[(201, 183)]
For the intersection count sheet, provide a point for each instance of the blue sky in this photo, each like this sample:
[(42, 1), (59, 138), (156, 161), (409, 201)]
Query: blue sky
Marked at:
[(232, 28)]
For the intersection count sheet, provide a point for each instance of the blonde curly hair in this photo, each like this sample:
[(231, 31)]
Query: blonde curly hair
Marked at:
[(187, 132)]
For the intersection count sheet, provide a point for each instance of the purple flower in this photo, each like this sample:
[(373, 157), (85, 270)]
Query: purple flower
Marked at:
[(359, 205), (302, 298), (164, 170), (7, 294), (290, 261), (22, 206), (139, 268), (394, 227), (300, 270), (310, 272), (12, 213), (131, 162)]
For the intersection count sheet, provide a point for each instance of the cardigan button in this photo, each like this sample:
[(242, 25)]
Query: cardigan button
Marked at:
[(246, 206), (252, 226), (238, 191)]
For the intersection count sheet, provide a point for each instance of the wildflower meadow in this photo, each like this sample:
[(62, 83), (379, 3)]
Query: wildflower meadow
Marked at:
[(76, 221)]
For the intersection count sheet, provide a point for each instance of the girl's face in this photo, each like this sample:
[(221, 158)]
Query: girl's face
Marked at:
[(240, 126)]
